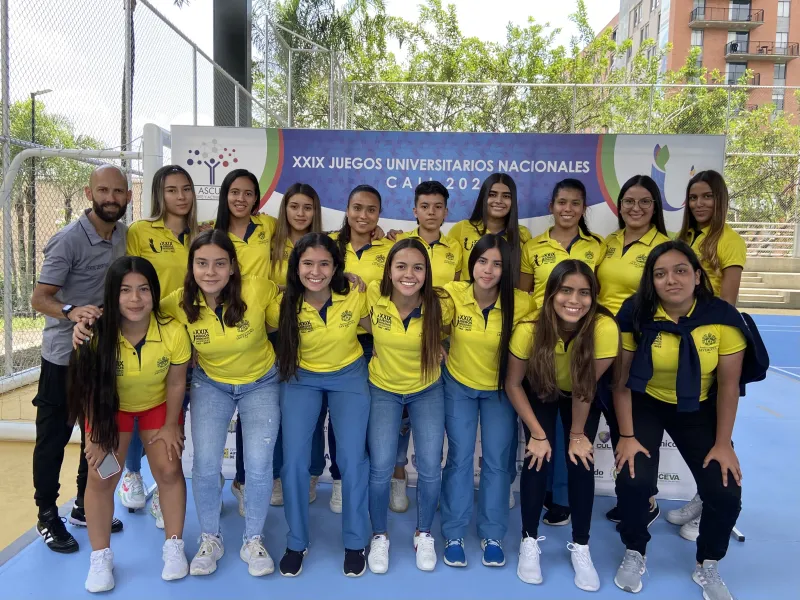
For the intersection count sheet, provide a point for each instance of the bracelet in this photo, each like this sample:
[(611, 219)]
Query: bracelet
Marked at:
[(626, 436), (544, 439), (579, 433)]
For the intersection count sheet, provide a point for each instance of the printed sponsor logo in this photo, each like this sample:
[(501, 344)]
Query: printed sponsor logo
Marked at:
[(464, 323), (165, 246), (243, 325), (120, 368), (305, 326), (611, 251), (709, 339), (201, 336), (668, 477), (589, 256), (347, 315), (163, 362), (548, 258), (639, 261)]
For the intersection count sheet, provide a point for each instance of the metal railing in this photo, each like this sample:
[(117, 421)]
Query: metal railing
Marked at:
[(730, 14), (754, 48), (767, 239)]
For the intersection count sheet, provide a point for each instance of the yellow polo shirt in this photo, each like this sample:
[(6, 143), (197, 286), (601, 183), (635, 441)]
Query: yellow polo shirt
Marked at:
[(278, 270), (396, 365), (467, 234), (253, 254), (168, 254), (620, 269), (711, 341), (541, 255), (233, 355), (142, 370), (371, 262), (329, 344), (731, 250), (475, 335), (444, 254), (606, 345)]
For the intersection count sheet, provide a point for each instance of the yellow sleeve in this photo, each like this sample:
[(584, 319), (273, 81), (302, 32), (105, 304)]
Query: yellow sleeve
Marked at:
[(266, 292), (402, 236), (521, 343), (373, 294), (448, 309), (455, 232), (606, 338), (601, 256), (170, 305), (628, 343), (524, 234), (363, 307), (526, 265), (274, 311), (270, 223), (132, 241), (732, 250), (181, 347), (731, 340), (458, 253)]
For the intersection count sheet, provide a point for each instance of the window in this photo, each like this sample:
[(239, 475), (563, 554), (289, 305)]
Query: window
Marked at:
[(783, 8), (740, 10), (777, 99), (644, 33), (782, 39), (659, 23), (735, 72), (614, 35), (637, 14), (697, 37), (653, 5), (780, 74)]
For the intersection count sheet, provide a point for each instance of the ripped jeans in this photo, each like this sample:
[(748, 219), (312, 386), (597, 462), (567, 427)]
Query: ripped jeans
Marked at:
[(211, 409)]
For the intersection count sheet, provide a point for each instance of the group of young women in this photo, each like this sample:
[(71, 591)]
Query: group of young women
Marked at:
[(436, 331)]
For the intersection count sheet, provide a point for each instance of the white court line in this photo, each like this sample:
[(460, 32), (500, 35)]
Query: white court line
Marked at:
[(787, 373)]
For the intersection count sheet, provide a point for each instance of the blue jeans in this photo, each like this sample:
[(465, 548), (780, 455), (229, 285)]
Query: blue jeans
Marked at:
[(133, 461), (212, 407), (301, 403), (426, 409), (403, 441), (462, 405), (557, 469)]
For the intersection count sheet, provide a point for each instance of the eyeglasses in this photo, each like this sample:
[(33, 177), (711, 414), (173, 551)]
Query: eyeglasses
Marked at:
[(644, 203)]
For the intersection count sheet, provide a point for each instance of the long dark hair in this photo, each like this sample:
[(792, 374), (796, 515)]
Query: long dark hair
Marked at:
[(506, 288), (479, 212), (646, 300), (223, 211), (576, 185), (708, 247), (231, 294), (92, 374), (344, 232), (283, 229), (431, 308), (288, 327), (541, 367), (658, 204)]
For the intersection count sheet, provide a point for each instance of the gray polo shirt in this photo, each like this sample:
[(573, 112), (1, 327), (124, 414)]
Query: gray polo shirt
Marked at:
[(76, 260)]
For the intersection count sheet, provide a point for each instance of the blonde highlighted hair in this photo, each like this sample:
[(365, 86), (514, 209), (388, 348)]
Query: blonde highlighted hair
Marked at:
[(708, 247), (158, 210), (283, 229)]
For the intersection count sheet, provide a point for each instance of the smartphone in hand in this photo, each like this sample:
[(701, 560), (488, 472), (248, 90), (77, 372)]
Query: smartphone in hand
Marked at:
[(109, 467)]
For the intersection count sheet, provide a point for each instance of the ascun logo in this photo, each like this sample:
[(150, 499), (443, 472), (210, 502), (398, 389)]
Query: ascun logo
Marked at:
[(658, 171), (211, 155)]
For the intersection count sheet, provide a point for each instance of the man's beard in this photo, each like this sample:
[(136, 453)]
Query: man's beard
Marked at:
[(102, 212)]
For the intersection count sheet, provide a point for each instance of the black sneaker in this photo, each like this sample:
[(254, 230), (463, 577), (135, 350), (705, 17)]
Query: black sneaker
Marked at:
[(654, 513), (78, 517), (355, 563), (557, 515), (292, 563), (51, 527), (613, 515)]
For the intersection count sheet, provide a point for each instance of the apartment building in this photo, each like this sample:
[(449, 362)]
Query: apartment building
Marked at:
[(734, 36)]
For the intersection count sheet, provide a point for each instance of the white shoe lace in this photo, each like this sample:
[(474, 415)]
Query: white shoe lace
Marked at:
[(581, 553), (634, 562), (455, 542), (425, 543), (98, 561), (208, 544), (379, 547), (256, 547), (172, 550), (137, 484), (530, 546), (709, 575)]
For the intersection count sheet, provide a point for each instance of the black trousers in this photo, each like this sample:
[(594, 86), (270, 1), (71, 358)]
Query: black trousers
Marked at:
[(580, 480), (694, 434), (53, 431)]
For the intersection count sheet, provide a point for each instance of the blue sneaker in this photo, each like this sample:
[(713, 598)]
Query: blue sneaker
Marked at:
[(493, 555), (454, 553)]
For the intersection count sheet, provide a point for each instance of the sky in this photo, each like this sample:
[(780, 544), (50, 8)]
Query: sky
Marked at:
[(85, 72)]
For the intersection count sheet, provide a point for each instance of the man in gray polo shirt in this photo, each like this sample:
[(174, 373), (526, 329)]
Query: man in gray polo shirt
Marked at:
[(70, 288)]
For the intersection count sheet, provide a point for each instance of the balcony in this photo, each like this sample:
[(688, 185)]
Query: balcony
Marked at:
[(733, 79), (733, 18), (767, 51)]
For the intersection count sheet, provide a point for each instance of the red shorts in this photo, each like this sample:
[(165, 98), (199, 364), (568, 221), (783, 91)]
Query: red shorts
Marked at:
[(153, 418)]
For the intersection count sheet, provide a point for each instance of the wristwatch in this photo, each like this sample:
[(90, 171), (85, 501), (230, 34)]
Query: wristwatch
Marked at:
[(66, 309)]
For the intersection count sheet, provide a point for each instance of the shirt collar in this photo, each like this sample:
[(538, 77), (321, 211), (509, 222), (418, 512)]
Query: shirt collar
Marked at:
[(441, 239), (91, 233), (662, 314), (153, 332), (469, 297)]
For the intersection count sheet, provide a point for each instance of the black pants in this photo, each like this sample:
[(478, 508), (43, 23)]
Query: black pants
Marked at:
[(694, 434), (580, 480), (53, 431)]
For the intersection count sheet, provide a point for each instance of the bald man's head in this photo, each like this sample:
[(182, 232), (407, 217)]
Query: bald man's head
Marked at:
[(108, 192)]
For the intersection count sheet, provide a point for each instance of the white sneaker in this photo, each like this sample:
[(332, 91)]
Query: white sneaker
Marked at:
[(512, 502), (378, 559), (586, 577), (687, 512), (312, 489), (398, 499), (277, 493), (691, 530), (336, 497), (426, 552), (155, 510), (131, 491), (101, 575), (258, 560), (211, 550), (529, 570), (238, 491), (173, 553)]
